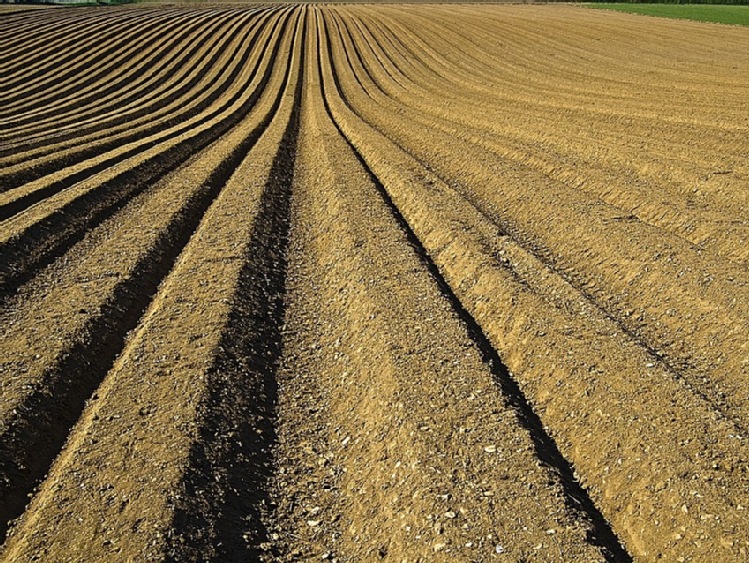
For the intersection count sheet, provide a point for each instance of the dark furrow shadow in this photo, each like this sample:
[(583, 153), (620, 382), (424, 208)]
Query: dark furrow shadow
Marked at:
[(41, 139), (80, 154), (112, 44), (42, 423), (225, 497), (576, 497), (38, 246)]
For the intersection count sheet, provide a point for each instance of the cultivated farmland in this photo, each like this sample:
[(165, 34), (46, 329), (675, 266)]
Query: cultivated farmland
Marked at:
[(358, 283)]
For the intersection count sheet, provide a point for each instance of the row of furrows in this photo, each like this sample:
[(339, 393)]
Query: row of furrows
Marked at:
[(508, 229), (71, 52), (124, 310), (273, 235), (82, 90), (43, 31), (36, 244), (222, 516), (38, 427), (599, 178), (673, 366), (194, 93), (442, 67), (678, 366), (36, 81), (146, 61), (710, 407), (546, 448)]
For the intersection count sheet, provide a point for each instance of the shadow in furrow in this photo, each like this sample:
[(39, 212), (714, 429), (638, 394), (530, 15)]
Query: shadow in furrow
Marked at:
[(577, 499), (16, 179), (37, 247), (114, 40), (42, 423), (226, 485), (40, 142)]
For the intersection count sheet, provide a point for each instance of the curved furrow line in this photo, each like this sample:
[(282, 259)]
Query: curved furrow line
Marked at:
[(507, 229), (64, 40), (367, 380), (546, 448), (59, 65), (32, 239), (523, 96), (210, 104), (141, 72), (612, 135), (124, 105), (699, 362), (580, 80), (125, 264), (635, 204), (607, 460), (204, 80), (187, 73), (42, 30), (675, 368), (682, 220), (116, 58)]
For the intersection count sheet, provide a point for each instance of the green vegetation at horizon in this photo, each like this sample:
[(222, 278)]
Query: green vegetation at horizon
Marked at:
[(715, 13)]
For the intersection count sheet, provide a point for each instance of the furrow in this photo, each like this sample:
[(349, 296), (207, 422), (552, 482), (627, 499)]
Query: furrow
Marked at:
[(120, 266), (59, 31), (32, 239), (166, 387), (672, 215), (699, 366), (372, 394), (53, 38), (34, 87), (638, 478), (186, 101), (142, 70)]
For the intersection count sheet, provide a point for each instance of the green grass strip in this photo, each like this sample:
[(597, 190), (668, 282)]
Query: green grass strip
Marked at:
[(736, 15)]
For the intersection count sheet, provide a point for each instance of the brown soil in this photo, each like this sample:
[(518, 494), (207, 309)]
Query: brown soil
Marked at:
[(356, 283)]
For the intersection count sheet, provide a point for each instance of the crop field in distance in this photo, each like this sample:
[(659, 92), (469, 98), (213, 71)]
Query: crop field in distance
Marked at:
[(716, 13), (285, 282)]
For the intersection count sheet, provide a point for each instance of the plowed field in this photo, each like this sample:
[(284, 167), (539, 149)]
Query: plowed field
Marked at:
[(356, 283)]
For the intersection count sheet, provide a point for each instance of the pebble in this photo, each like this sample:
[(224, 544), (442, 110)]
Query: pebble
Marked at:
[(450, 514), (313, 523)]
